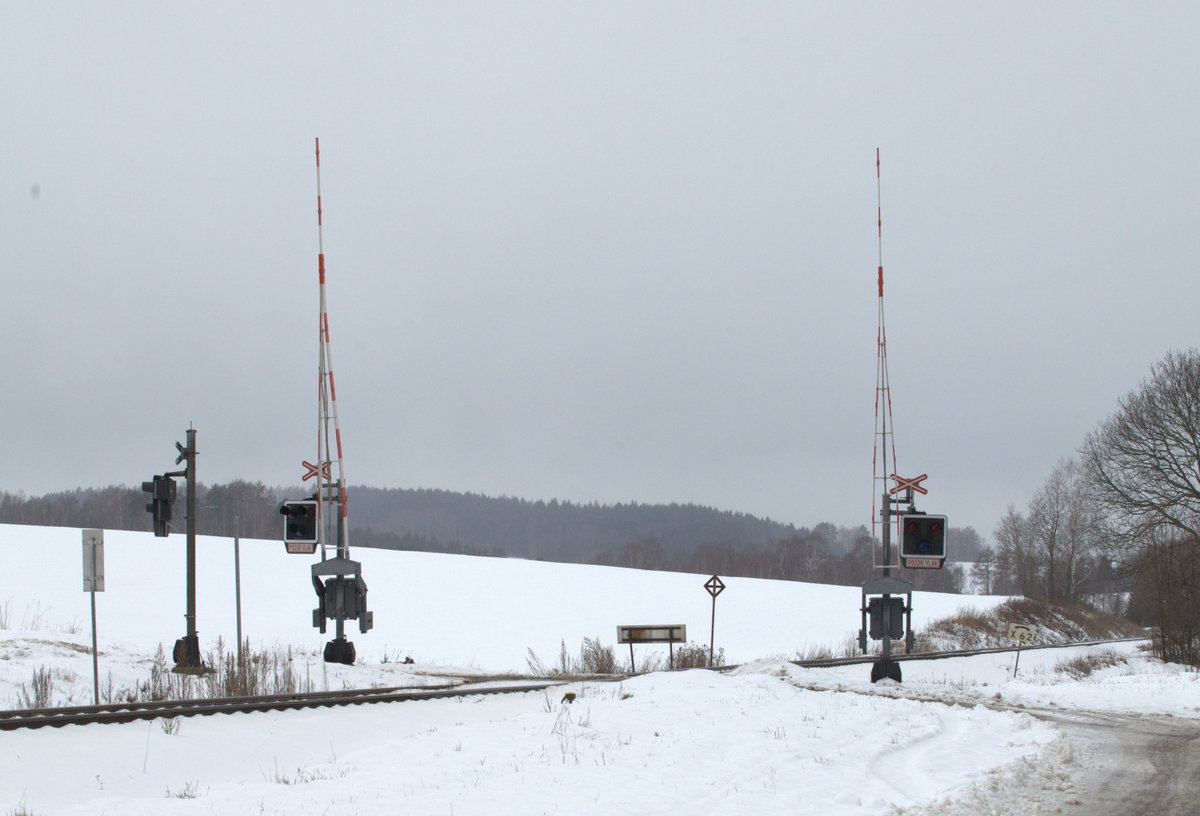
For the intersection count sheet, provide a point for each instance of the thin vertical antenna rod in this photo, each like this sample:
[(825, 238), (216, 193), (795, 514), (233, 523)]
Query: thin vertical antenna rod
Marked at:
[(883, 392), (327, 403)]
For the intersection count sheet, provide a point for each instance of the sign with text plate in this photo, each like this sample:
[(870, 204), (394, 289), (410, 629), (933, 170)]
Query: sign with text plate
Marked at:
[(652, 634), (93, 560), (1020, 632)]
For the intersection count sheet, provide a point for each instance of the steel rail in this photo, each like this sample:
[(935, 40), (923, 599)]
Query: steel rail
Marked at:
[(156, 705), (829, 662), (168, 709)]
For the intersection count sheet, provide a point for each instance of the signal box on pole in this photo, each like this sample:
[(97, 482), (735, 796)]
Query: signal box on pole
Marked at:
[(162, 494), (922, 541), (300, 526)]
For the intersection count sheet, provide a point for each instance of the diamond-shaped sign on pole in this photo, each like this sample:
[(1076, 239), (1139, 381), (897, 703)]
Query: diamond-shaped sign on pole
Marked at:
[(714, 586)]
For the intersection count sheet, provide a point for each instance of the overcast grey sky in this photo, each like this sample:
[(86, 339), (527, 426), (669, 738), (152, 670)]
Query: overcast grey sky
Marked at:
[(593, 251)]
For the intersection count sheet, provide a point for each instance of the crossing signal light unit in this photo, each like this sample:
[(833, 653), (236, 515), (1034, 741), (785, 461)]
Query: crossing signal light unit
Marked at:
[(300, 526), (922, 541), (162, 494)]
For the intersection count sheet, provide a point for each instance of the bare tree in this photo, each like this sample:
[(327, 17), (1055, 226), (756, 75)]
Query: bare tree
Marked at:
[(1015, 561), (1167, 591), (965, 543), (981, 571), (1062, 533), (1143, 463), (1143, 468)]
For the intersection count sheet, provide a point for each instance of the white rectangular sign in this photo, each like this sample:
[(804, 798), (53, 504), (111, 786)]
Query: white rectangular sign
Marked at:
[(652, 634), (93, 560), (1020, 632)]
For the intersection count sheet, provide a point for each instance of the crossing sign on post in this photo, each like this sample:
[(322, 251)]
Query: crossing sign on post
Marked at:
[(311, 470), (909, 484), (93, 582), (715, 587), (93, 560)]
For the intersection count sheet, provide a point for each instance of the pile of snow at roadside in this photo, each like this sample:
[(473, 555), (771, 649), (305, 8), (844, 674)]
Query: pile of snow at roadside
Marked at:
[(692, 741)]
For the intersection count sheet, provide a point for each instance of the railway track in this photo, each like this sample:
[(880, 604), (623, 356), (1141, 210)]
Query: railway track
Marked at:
[(868, 659), (167, 709)]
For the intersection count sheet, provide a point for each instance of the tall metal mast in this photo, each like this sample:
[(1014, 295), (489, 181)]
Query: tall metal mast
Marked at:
[(327, 411), (889, 615), (883, 409), (341, 590)]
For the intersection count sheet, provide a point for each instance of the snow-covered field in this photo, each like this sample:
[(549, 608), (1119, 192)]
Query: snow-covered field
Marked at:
[(767, 737)]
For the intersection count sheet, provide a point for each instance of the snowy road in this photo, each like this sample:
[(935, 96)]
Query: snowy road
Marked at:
[(1132, 763), (1128, 737)]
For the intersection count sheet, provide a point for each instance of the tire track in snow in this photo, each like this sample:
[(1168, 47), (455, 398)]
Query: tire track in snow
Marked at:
[(911, 767)]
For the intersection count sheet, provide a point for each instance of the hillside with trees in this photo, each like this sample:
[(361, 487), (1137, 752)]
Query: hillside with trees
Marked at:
[(685, 538), (1123, 520)]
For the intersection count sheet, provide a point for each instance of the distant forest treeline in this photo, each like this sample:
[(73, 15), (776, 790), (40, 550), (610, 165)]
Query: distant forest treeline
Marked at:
[(684, 538)]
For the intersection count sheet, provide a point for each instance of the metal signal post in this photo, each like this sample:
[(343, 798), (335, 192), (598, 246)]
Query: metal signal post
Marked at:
[(922, 538), (162, 492), (187, 648), (887, 613), (341, 591)]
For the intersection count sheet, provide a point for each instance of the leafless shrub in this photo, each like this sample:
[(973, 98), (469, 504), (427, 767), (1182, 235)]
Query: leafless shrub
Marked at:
[(40, 690), (190, 790), (270, 671), (536, 667), (818, 651), (594, 658), (1080, 667), (303, 776), (255, 673), (695, 656), (33, 620), (651, 662), (1055, 623), (158, 687), (565, 664)]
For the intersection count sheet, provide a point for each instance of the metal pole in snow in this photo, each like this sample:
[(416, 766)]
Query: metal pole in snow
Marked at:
[(237, 584), (95, 651), (712, 632)]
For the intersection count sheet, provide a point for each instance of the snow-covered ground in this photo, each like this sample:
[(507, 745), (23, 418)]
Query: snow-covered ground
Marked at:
[(767, 737)]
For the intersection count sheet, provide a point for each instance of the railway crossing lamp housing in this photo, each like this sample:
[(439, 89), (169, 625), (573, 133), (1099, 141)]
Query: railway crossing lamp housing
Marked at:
[(162, 495), (922, 541), (300, 525)]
